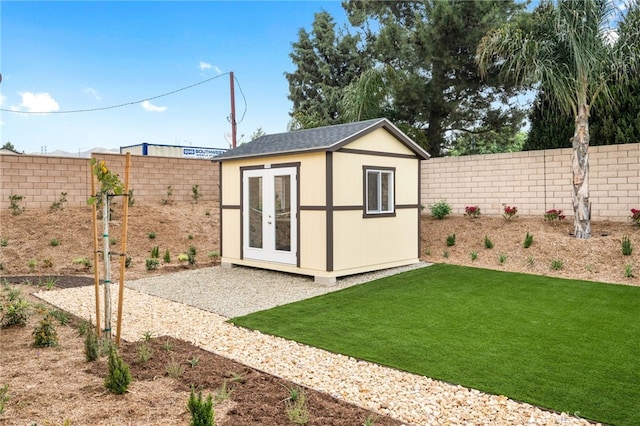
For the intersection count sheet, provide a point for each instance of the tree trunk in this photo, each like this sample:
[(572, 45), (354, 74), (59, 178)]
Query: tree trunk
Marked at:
[(580, 170)]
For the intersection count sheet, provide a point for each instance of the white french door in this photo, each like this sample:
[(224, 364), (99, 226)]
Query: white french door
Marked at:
[(269, 214)]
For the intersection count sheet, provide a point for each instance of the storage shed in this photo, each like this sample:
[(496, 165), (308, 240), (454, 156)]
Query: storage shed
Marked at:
[(326, 202)]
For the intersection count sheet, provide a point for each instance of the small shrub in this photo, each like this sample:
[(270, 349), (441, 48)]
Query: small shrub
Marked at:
[(32, 263), (635, 217), (144, 352), (502, 258), (222, 393), (4, 397), (152, 264), (183, 257), (91, 344), (557, 264), (445, 254), (152, 235), (297, 411), (82, 261), (16, 313), (61, 316), (190, 237), (167, 346), (193, 362), (14, 204), (168, 200), (472, 211), (4, 242), (127, 261), (628, 270), (54, 242), (147, 336), (59, 205), (45, 334), (528, 240), (451, 240), (83, 328), (553, 216), (488, 244), (474, 255), (195, 193), (531, 261), (112, 241), (213, 254), (627, 248), (167, 256), (202, 413), (155, 252), (130, 200), (192, 255), (47, 263), (509, 213), (174, 369), (119, 377), (440, 210)]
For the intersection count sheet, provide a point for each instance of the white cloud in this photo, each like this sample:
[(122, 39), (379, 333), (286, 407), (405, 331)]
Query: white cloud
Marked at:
[(92, 92), (207, 66), (38, 102), (148, 106)]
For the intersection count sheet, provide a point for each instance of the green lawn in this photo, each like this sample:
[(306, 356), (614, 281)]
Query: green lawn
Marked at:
[(567, 345)]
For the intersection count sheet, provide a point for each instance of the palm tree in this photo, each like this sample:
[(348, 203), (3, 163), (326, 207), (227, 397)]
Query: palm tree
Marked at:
[(569, 49)]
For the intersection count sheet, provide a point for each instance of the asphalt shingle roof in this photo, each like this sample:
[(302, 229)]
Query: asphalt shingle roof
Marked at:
[(328, 138)]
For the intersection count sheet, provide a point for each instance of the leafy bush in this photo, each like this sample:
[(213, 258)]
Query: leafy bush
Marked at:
[(16, 313), (553, 216), (45, 334), (451, 240), (14, 204), (627, 248), (152, 264), (167, 256), (510, 212), (441, 209), (528, 240), (557, 264), (155, 252), (487, 243), (119, 377), (635, 217), (91, 344), (472, 211), (202, 413)]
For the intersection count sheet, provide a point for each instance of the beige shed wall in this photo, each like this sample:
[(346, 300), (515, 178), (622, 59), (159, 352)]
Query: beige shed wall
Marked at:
[(347, 167), (380, 141), (313, 243), (374, 241)]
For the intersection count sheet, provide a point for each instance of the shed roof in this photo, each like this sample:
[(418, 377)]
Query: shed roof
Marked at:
[(328, 138)]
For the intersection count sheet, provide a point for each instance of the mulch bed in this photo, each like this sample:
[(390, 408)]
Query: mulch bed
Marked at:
[(61, 281)]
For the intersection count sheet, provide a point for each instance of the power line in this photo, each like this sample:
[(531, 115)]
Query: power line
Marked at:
[(131, 103)]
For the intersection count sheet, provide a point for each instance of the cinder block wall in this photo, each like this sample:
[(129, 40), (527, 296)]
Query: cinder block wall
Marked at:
[(535, 181), (41, 179)]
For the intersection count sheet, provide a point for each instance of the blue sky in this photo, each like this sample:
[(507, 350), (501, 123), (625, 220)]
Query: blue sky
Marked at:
[(60, 56)]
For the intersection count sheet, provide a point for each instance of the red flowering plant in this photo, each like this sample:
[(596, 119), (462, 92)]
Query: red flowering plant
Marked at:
[(472, 211), (635, 217), (510, 212), (553, 216)]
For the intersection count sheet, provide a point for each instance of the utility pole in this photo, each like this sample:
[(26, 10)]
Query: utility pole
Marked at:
[(233, 111)]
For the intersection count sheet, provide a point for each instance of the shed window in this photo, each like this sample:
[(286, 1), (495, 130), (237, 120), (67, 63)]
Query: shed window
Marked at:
[(379, 191)]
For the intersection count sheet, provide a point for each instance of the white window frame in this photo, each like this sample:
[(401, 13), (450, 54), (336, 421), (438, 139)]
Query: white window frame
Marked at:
[(376, 173)]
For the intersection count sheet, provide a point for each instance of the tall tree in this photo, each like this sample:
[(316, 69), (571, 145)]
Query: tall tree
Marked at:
[(437, 90), (326, 62), (8, 145), (567, 49)]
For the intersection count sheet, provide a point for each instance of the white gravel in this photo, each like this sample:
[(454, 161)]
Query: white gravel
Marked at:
[(194, 305)]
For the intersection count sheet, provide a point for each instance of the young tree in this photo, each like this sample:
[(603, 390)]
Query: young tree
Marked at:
[(567, 49), (8, 145)]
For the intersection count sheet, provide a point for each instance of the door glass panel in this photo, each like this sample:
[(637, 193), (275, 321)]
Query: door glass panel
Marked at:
[(255, 212), (282, 203)]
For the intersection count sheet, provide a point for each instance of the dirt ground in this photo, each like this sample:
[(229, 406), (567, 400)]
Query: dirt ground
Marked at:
[(54, 386)]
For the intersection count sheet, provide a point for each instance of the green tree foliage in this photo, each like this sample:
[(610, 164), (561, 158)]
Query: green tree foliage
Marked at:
[(259, 132), (326, 62), (436, 89), (567, 49), (8, 145)]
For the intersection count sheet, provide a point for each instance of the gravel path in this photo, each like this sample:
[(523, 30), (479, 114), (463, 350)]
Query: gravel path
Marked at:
[(207, 297)]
